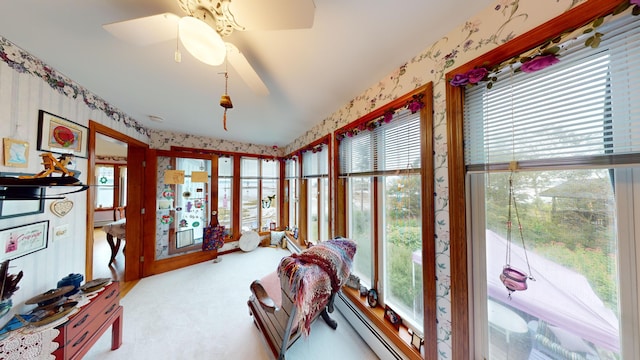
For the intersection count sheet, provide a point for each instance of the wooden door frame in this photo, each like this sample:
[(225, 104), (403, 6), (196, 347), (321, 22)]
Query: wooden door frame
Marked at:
[(135, 151), (151, 266)]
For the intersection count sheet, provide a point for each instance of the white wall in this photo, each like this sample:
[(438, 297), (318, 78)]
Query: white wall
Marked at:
[(22, 95)]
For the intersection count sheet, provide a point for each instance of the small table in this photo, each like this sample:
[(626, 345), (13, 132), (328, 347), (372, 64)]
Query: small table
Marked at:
[(118, 230)]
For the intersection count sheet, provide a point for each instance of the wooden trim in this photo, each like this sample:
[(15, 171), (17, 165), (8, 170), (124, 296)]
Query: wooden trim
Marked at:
[(151, 265), (192, 150), (303, 212), (283, 204), (236, 222), (570, 20), (136, 156), (460, 320), (430, 325), (151, 179), (395, 104), (460, 297), (401, 338), (135, 147)]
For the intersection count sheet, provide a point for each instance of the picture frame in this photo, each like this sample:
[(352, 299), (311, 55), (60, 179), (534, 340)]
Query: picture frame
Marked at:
[(18, 241), (16, 153), (392, 317), (59, 135), (416, 340), (14, 208), (184, 238)]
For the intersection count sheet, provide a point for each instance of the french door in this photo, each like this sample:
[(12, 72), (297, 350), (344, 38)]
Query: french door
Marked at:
[(178, 203)]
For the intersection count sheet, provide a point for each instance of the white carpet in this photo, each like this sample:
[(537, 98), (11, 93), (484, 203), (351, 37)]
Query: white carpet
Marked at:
[(200, 312)]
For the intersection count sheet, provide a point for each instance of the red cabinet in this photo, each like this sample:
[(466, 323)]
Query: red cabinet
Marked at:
[(87, 326)]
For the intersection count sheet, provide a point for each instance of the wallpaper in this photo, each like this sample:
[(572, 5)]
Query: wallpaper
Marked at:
[(23, 62), (494, 26), (499, 23)]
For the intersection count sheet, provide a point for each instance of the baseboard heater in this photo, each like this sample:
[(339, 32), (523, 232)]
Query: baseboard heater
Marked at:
[(377, 341)]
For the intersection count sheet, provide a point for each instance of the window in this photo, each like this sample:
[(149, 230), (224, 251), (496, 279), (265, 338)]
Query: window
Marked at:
[(315, 171), (105, 176), (384, 211), (292, 177), (269, 190), (225, 193), (574, 130), (258, 186), (112, 185)]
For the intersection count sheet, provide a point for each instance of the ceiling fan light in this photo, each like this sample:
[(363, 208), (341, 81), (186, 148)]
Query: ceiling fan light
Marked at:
[(202, 41)]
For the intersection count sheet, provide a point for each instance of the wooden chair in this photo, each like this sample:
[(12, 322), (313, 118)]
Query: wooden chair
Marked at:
[(119, 213), (116, 229), (283, 314)]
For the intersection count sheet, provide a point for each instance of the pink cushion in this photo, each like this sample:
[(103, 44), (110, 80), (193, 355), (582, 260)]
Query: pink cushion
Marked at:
[(271, 284)]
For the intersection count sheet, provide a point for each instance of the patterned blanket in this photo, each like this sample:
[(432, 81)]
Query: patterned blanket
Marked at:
[(315, 274)]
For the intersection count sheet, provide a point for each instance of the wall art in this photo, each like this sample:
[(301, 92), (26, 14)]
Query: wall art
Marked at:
[(22, 240), (62, 136), (16, 153)]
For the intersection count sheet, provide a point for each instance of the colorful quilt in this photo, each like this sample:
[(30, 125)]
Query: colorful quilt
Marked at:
[(314, 275)]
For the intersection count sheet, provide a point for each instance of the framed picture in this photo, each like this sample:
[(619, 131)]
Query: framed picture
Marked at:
[(184, 238), (59, 135), (416, 340), (16, 153), (22, 240), (392, 317), (14, 208)]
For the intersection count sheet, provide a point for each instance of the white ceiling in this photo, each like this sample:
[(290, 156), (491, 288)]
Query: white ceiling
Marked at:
[(310, 73)]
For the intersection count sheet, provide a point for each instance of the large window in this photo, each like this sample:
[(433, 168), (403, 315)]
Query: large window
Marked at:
[(259, 189), (574, 130), (316, 172), (225, 193), (382, 166), (292, 177)]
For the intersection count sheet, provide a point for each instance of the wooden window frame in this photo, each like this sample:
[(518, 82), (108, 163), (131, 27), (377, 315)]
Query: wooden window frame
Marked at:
[(461, 321), (400, 338)]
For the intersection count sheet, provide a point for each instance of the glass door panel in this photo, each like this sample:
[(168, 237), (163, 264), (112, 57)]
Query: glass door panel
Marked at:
[(182, 205)]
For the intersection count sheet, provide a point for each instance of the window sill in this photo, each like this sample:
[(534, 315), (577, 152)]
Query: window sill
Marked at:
[(401, 338)]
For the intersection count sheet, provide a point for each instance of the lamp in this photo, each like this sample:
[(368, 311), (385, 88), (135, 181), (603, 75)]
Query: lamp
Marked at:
[(202, 41)]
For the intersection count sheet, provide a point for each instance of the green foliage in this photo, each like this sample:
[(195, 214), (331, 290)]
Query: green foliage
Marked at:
[(573, 231)]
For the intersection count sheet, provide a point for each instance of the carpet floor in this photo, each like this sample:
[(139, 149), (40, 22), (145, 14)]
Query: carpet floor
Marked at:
[(200, 312)]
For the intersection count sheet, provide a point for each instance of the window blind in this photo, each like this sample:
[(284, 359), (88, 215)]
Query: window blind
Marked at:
[(587, 105), (390, 147), (315, 164), (291, 168)]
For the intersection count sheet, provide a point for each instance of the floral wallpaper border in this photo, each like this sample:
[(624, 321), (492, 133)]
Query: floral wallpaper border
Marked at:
[(497, 24), (23, 62)]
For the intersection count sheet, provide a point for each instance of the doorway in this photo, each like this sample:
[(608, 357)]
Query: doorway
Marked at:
[(109, 226), (127, 158)]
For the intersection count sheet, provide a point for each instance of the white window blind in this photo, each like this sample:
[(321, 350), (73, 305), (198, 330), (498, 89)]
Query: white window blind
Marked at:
[(291, 168), (315, 164), (585, 106), (389, 147)]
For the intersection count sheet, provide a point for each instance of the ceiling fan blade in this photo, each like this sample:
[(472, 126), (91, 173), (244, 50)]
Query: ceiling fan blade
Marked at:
[(273, 14), (245, 70), (145, 30)]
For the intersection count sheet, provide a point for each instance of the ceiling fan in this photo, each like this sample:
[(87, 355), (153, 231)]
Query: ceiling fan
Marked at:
[(208, 21)]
